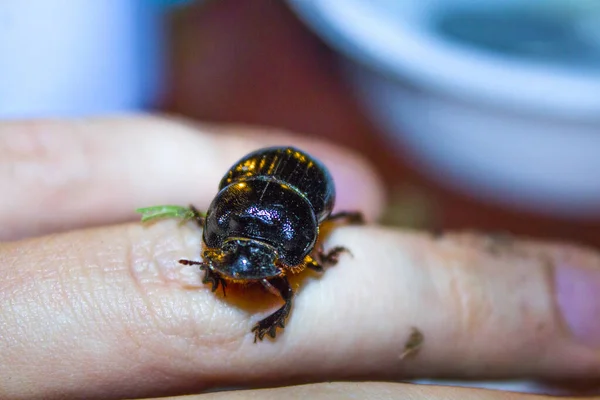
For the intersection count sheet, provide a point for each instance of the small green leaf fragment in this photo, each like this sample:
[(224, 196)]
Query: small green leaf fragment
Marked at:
[(166, 211)]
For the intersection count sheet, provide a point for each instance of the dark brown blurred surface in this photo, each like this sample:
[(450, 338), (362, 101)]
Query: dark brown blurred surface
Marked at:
[(254, 62)]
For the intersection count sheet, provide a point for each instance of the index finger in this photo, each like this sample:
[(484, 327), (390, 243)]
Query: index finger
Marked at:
[(63, 174)]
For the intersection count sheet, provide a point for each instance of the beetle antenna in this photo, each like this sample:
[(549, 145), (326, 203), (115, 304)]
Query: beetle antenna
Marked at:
[(202, 264)]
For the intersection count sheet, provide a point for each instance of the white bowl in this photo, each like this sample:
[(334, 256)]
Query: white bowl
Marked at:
[(513, 130)]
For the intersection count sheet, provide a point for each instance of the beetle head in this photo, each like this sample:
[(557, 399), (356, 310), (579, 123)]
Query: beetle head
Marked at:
[(244, 259)]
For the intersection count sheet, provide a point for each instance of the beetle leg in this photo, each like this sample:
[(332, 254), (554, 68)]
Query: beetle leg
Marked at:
[(209, 275), (215, 279), (331, 257), (268, 326), (313, 264), (349, 217), (326, 258), (197, 216)]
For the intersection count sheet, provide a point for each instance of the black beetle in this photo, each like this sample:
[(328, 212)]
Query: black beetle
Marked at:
[(264, 223)]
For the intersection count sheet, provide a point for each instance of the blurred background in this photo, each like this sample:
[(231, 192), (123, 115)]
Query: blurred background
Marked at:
[(478, 114)]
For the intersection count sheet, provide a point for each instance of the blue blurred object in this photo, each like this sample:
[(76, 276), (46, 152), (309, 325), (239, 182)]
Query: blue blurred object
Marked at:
[(539, 34), (80, 57), (497, 99)]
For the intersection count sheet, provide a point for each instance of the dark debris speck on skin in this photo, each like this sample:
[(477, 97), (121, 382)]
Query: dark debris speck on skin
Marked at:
[(413, 343)]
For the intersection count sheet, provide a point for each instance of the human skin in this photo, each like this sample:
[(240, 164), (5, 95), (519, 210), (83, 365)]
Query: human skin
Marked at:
[(93, 304)]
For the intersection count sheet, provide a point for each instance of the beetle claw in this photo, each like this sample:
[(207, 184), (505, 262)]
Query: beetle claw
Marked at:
[(215, 280), (269, 325), (328, 258), (273, 331)]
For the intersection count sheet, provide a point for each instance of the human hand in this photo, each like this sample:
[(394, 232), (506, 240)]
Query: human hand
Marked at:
[(93, 306)]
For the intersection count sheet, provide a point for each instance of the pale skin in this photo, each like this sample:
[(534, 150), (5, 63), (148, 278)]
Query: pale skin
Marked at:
[(93, 303)]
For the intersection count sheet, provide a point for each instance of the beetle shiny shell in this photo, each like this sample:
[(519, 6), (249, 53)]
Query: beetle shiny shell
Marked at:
[(264, 224)]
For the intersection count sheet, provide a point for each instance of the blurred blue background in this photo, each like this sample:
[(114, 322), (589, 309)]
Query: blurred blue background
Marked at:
[(74, 58)]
